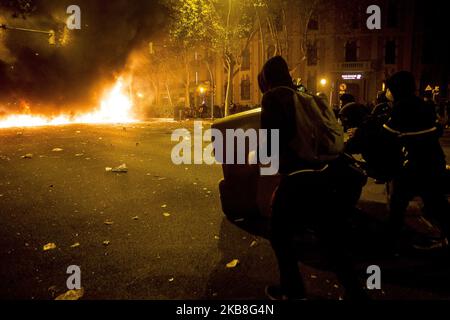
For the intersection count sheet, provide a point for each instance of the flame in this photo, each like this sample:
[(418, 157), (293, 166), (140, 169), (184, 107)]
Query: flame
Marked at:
[(116, 107)]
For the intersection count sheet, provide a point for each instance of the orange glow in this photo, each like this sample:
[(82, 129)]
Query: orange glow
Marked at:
[(116, 107)]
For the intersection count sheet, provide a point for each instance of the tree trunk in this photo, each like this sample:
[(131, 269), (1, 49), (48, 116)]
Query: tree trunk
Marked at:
[(187, 82), (169, 95), (229, 92)]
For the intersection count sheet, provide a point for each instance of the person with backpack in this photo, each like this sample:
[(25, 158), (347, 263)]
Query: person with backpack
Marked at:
[(311, 193), (413, 127)]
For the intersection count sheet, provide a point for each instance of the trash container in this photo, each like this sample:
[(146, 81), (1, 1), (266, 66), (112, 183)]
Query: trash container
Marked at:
[(243, 191)]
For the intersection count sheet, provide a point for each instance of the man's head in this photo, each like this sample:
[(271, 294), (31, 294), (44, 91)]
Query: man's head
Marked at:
[(381, 97), (346, 98), (275, 73), (400, 86), (353, 115)]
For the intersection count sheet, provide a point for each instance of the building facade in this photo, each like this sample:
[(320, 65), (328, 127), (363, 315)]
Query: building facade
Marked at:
[(340, 54)]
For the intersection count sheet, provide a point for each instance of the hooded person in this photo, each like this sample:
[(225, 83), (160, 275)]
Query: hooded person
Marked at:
[(382, 105), (353, 114), (306, 196), (345, 99), (413, 125)]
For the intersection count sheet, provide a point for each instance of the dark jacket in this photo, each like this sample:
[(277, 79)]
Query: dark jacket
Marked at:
[(278, 111), (413, 123)]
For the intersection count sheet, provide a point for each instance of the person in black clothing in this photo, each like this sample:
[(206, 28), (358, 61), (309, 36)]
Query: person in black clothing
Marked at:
[(367, 137), (309, 195), (413, 125), (353, 114), (383, 105), (345, 99)]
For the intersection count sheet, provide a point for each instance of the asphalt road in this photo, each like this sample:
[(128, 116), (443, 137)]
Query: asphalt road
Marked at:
[(166, 237), (67, 197)]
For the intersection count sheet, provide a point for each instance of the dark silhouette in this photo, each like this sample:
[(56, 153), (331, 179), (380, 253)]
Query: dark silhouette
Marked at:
[(309, 195), (413, 125)]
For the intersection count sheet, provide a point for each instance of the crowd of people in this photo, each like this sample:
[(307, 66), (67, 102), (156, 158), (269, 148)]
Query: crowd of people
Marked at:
[(399, 140)]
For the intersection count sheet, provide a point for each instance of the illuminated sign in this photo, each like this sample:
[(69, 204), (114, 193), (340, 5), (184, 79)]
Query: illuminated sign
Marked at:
[(352, 76)]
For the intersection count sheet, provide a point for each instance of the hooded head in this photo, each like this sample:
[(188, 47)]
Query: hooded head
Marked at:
[(346, 98), (402, 85), (275, 73), (353, 115), (381, 97)]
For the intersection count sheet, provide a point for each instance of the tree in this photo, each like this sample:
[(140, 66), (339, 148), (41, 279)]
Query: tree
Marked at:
[(223, 27), (19, 8), (189, 30), (234, 28)]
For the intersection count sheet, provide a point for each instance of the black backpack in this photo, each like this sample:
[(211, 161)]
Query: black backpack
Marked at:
[(381, 149)]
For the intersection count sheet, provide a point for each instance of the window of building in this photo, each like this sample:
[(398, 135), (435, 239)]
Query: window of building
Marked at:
[(354, 23), (311, 83), (313, 23), (392, 16), (311, 54), (428, 49), (390, 54), (278, 22), (245, 60), (351, 51), (245, 88)]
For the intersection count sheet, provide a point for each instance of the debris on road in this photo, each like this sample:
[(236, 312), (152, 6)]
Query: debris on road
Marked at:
[(75, 245), (216, 238), (27, 156), (109, 223), (253, 244), (71, 295), (135, 218), (233, 264), (79, 155), (171, 279), (106, 243), (57, 150), (49, 246), (166, 214), (164, 206), (120, 169)]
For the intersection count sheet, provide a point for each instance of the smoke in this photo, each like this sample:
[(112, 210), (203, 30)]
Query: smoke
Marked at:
[(71, 76)]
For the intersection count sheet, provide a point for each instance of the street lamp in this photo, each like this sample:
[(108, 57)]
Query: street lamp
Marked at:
[(323, 82)]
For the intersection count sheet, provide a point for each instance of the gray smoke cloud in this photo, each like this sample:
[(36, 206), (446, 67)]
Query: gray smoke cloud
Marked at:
[(70, 76)]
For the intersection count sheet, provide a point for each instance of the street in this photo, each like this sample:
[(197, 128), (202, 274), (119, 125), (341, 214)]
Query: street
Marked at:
[(156, 232), (67, 197)]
